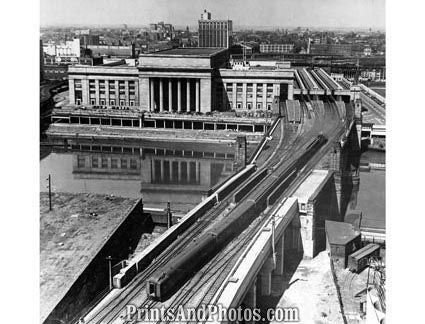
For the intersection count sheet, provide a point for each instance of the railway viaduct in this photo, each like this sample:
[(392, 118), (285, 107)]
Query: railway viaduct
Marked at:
[(294, 226)]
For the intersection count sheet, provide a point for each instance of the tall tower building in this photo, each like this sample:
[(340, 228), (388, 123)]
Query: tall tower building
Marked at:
[(214, 33)]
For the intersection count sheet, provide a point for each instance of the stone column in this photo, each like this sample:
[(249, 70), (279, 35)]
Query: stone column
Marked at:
[(127, 93), (71, 84), (117, 93), (152, 95), (107, 92), (170, 95), (197, 95), (188, 95), (264, 96), (234, 95), (244, 105), (254, 96), (290, 92), (179, 95), (161, 95), (162, 170), (97, 95)]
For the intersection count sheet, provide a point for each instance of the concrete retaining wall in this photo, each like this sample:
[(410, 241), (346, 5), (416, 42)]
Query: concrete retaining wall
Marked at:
[(94, 278)]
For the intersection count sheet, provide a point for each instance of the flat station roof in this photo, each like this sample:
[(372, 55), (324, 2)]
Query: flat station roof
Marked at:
[(188, 51)]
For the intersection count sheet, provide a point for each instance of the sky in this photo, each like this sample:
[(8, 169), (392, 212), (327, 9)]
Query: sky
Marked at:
[(273, 13)]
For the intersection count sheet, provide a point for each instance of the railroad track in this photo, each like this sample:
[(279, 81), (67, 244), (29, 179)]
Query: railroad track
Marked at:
[(214, 272), (115, 306)]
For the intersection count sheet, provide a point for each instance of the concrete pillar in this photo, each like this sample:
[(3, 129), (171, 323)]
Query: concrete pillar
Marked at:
[(179, 95), (244, 105), (152, 96), (280, 256), (205, 86), (188, 95), (161, 95), (117, 93), (264, 96), (254, 96), (97, 95), (127, 93), (170, 95), (85, 91), (234, 96), (171, 170), (250, 300), (197, 95), (71, 84), (290, 92), (107, 92), (265, 278)]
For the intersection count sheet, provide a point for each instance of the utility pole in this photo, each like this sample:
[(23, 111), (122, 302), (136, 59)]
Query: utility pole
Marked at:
[(49, 186)]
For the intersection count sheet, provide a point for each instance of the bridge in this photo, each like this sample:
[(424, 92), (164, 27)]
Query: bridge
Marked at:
[(284, 225)]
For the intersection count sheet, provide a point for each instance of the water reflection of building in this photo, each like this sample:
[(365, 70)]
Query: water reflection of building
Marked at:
[(158, 169)]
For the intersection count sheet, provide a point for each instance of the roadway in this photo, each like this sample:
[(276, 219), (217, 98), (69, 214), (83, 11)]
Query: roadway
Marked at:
[(203, 285)]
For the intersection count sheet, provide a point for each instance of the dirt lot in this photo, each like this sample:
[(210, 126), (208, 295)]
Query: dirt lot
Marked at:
[(70, 235)]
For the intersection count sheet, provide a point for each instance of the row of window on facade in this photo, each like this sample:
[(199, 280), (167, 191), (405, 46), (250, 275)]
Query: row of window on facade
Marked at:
[(249, 105), (103, 163)]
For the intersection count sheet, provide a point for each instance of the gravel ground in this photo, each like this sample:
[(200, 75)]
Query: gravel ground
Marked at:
[(70, 236)]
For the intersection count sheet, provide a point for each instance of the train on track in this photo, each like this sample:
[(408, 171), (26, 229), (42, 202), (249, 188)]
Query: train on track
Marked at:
[(265, 188)]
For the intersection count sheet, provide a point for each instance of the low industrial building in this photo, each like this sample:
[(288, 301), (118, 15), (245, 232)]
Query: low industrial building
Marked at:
[(342, 239)]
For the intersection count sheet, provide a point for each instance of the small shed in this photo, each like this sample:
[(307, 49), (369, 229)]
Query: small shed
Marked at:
[(342, 239)]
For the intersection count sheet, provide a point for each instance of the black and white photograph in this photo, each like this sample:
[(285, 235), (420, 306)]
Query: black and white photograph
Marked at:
[(213, 162)]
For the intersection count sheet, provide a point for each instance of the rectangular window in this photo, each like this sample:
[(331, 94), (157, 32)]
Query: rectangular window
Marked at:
[(94, 162), (123, 164), (122, 103), (112, 102), (102, 102), (92, 102), (104, 163), (131, 103), (114, 163), (133, 164), (81, 161)]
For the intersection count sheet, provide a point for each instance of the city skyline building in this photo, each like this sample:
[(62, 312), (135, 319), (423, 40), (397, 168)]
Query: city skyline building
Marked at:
[(214, 33)]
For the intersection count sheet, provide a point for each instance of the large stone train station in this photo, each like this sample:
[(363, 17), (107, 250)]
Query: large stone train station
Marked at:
[(188, 81)]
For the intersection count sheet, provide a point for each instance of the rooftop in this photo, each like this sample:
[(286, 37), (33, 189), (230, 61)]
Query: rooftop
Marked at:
[(188, 51), (339, 232)]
